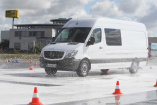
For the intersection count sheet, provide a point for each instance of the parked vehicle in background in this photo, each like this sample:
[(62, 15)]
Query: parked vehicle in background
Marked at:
[(85, 44)]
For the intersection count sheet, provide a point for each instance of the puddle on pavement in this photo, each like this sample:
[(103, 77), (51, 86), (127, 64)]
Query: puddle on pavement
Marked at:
[(129, 99)]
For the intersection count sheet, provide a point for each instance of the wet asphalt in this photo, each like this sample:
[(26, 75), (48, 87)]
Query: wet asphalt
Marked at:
[(16, 64), (144, 98)]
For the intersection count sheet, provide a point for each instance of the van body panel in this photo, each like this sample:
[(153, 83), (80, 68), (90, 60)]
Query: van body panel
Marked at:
[(62, 46), (80, 23), (117, 44)]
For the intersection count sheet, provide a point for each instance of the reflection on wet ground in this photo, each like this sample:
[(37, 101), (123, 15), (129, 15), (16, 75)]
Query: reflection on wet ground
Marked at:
[(150, 102), (145, 98), (21, 64), (67, 74), (28, 83)]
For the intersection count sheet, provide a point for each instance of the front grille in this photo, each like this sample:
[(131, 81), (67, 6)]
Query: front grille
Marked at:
[(53, 54)]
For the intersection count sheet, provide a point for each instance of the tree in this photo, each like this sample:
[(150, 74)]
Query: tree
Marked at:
[(38, 48), (4, 45)]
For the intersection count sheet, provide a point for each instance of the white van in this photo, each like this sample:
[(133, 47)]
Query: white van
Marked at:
[(85, 44)]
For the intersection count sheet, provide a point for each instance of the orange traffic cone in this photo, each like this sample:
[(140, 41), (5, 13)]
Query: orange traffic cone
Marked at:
[(31, 68), (35, 99), (155, 84), (35, 63), (117, 90), (117, 100), (6, 61)]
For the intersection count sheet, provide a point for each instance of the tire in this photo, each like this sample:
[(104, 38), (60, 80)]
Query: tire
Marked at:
[(50, 71), (104, 71), (134, 67), (83, 68)]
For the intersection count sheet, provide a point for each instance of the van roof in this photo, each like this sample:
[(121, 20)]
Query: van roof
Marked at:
[(89, 22), (80, 22)]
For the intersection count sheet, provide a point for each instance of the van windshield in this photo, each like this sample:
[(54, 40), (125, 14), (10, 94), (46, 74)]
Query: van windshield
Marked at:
[(73, 35)]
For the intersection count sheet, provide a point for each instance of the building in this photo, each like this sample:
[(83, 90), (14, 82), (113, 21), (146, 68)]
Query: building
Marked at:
[(27, 36), (152, 43), (152, 46), (5, 35), (152, 39)]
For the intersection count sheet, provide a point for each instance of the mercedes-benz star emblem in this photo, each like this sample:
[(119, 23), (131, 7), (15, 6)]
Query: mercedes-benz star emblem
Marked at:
[(52, 55)]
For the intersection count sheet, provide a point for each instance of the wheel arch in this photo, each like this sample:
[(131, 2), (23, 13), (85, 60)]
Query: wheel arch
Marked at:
[(136, 59), (87, 59)]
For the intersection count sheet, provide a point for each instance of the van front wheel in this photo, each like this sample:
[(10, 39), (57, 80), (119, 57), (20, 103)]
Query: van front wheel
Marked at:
[(134, 67), (50, 71), (83, 69)]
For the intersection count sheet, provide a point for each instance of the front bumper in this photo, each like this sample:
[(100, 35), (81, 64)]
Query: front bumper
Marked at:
[(68, 64)]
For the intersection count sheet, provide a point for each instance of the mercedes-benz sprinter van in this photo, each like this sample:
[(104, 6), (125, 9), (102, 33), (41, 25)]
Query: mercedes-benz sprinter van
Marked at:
[(85, 44)]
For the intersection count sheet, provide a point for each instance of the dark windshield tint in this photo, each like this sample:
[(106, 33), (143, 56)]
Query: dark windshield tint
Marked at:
[(73, 35)]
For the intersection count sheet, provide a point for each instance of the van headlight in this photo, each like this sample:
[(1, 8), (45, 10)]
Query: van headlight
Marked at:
[(71, 54)]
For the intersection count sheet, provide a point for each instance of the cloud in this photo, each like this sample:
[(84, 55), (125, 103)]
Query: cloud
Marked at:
[(137, 8), (105, 8), (29, 4), (150, 20), (27, 9), (144, 11), (42, 11), (4, 22), (67, 8)]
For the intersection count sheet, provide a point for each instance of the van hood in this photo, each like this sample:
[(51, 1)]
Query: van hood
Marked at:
[(62, 46)]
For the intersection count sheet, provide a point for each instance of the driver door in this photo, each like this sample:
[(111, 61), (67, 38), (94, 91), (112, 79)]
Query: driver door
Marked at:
[(95, 51)]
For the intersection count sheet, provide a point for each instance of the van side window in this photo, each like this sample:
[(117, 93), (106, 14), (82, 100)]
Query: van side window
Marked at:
[(113, 37), (97, 35)]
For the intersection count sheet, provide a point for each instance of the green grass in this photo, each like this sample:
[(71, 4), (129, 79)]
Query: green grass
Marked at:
[(20, 56)]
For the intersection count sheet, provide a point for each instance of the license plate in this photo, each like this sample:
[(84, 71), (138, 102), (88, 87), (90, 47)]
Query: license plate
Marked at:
[(51, 65)]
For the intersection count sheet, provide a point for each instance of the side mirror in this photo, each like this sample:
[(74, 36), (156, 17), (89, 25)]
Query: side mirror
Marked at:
[(91, 41)]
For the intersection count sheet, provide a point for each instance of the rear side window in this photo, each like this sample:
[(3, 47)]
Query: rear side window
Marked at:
[(113, 37)]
